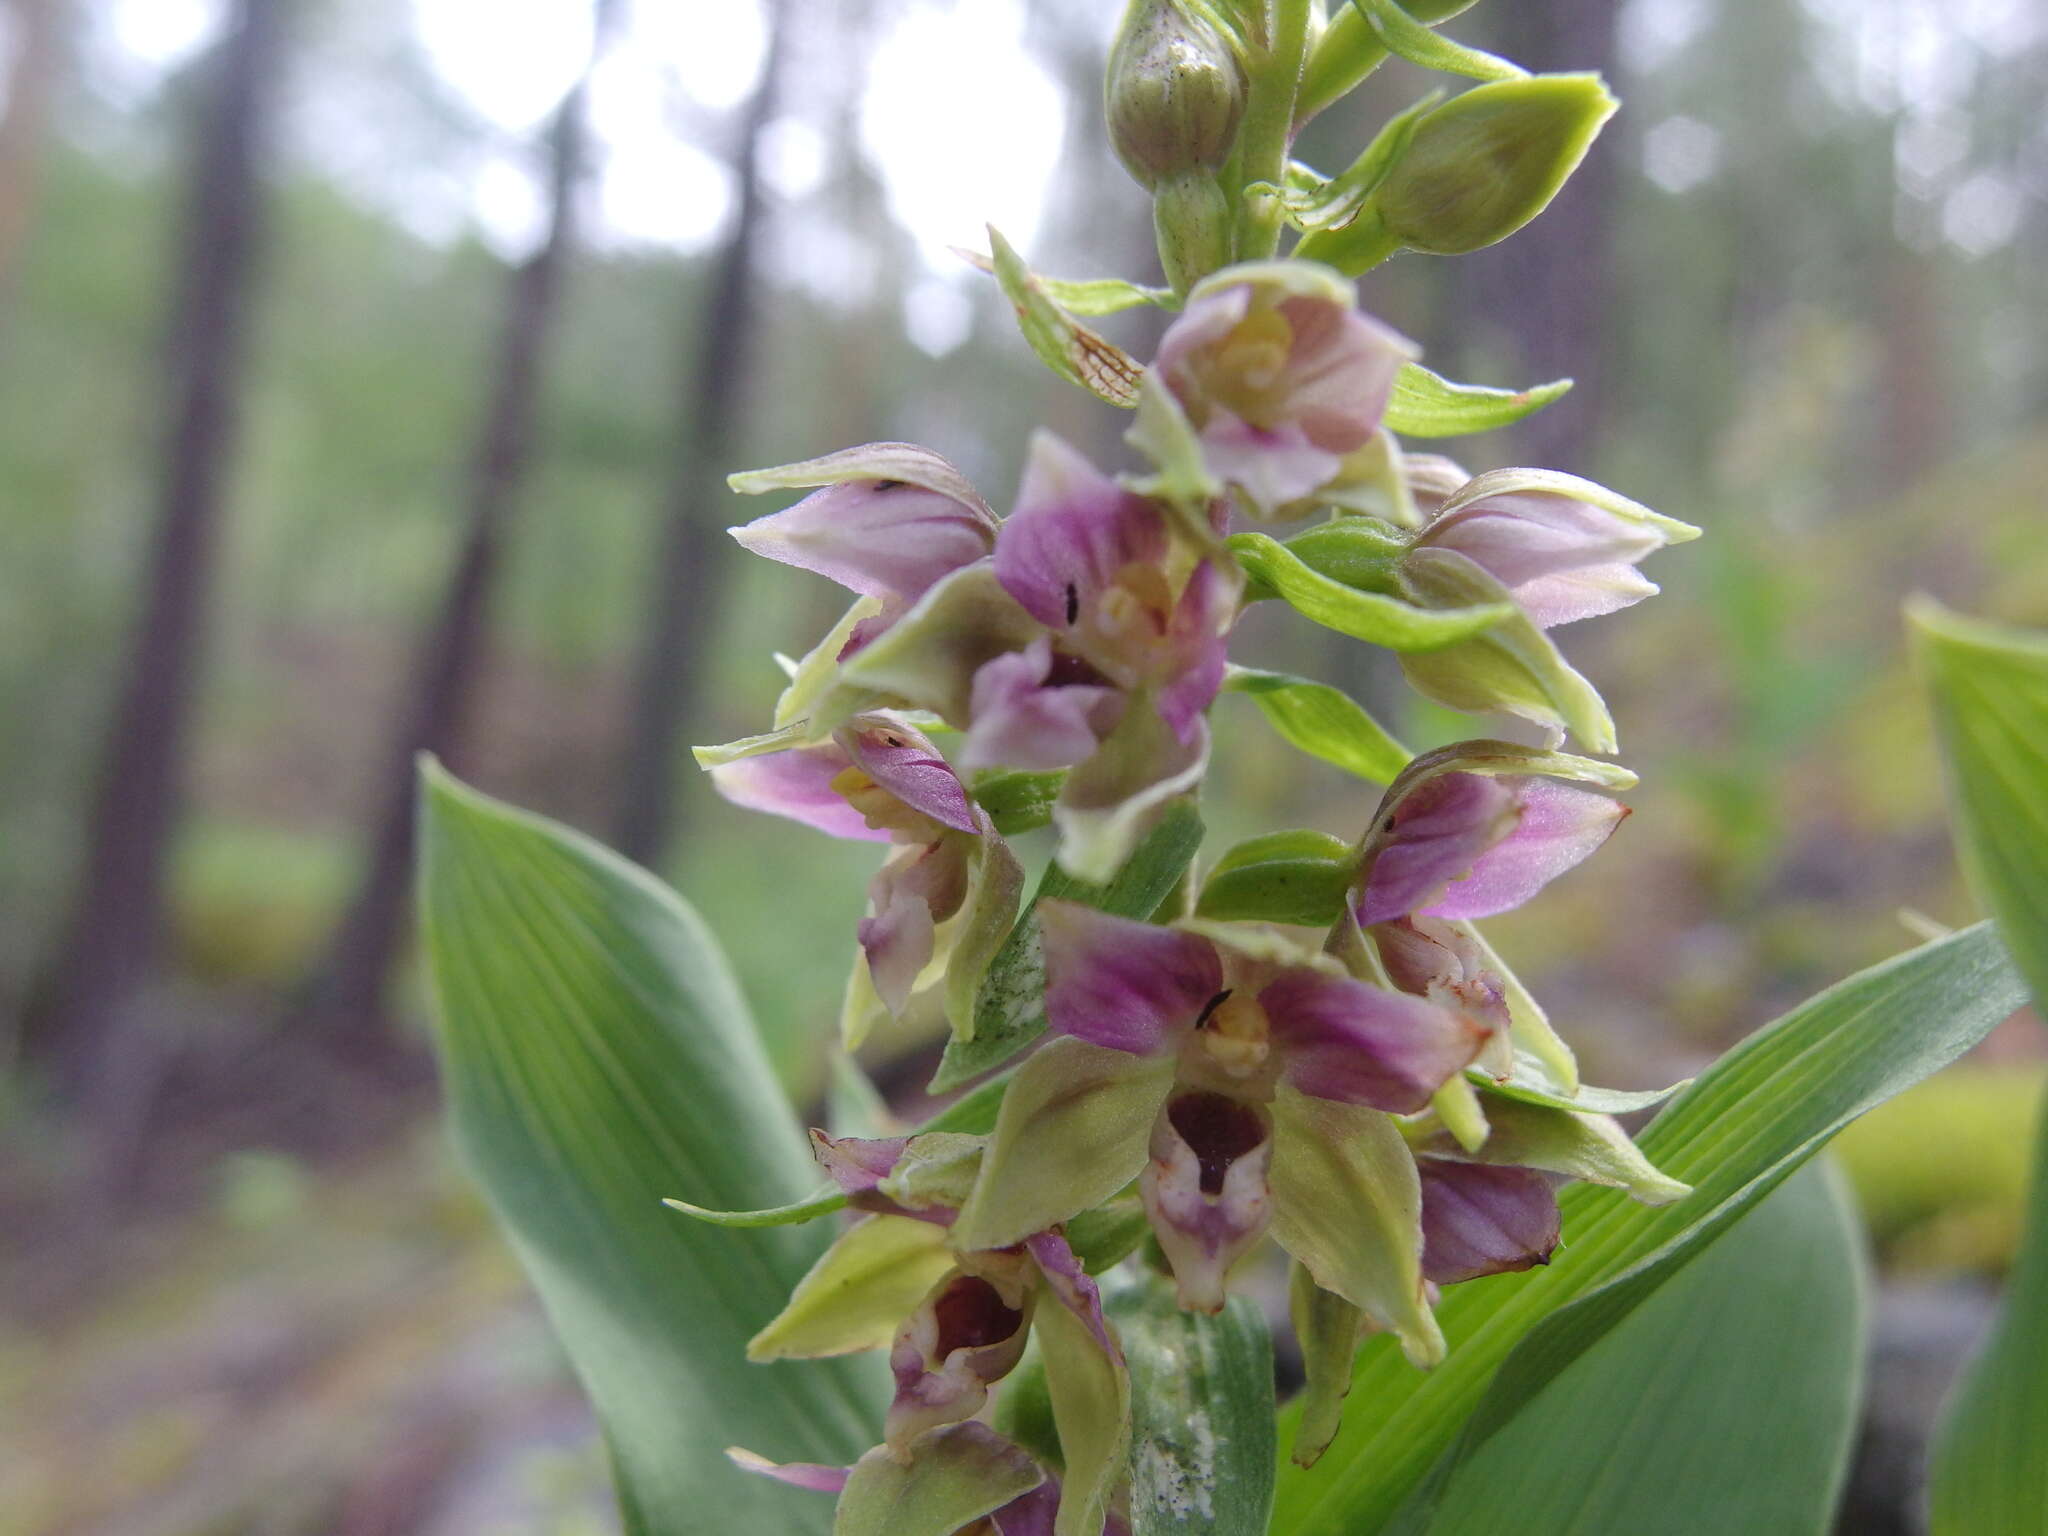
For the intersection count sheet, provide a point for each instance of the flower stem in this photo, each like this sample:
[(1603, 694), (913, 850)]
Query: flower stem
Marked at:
[(1268, 127)]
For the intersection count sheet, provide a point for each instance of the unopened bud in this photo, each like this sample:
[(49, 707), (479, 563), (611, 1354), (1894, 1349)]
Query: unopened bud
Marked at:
[(1488, 161), (1174, 92)]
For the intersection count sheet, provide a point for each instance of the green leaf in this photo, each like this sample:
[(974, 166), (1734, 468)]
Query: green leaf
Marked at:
[(1327, 204), (1370, 616), (823, 1203), (1298, 876), (1085, 296), (1990, 692), (1062, 343), (1202, 1435), (1349, 49), (1321, 721), (1727, 1403), (1409, 38), (1009, 1011), (1424, 405), (597, 1054), (1735, 1134)]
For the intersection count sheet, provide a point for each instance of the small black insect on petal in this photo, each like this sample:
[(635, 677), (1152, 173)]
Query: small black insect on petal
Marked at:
[(1073, 603), (888, 485)]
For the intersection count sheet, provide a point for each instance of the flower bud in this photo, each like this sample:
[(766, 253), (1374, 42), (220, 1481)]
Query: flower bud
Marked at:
[(1480, 167), (1174, 92)]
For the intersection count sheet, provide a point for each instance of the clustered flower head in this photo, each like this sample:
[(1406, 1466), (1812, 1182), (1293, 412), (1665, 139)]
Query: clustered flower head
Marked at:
[(1379, 1097), (1351, 1072)]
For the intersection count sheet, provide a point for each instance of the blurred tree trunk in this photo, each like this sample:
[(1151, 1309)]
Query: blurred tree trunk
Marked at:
[(24, 120), (1551, 284), (350, 987), (110, 943), (685, 601)]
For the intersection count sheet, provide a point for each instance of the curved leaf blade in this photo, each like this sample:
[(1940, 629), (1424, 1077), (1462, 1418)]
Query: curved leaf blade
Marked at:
[(1375, 617), (1427, 405), (1322, 721), (1735, 1134), (597, 1054), (1990, 692)]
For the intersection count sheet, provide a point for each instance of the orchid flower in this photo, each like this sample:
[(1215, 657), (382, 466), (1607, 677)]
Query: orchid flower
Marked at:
[(965, 1313), (1280, 376), (944, 898)]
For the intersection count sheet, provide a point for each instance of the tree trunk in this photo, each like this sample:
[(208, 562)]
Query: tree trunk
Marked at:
[(350, 986), (685, 600), (111, 940), (31, 80)]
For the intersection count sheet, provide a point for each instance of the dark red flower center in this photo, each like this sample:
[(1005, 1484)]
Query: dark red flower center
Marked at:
[(971, 1315), (1218, 1130)]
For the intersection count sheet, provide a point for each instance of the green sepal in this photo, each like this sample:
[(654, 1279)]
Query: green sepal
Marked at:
[(1203, 1441), (1513, 667), (823, 1203), (1361, 552), (937, 1168), (1073, 1130), (1069, 348), (1348, 49), (1327, 1329), (1456, 1107), (814, 676), (1321, 721), (956, 1474), (1532, 1082), (928, 657), (1424, 405), (1091, 1409), (1017, 800), (1405, 36), (1315, 203), (976, 933), (781, 739), (1552, 482), (1109, 1233), (860, 1290), (1551, 1065), (1298, 876), (1181, 478), (1023, 1410), (1084, 296), (1114, 799), (1009, 1008), (1592, 1148), (1347, 1204), (1370, 616)]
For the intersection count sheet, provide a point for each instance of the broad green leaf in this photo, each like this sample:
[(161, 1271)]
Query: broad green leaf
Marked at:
[(1404, 35), (1299, 876), (1375, 617), (1202, 1435), (1321, 721), (1727, 1403), (1424, 405), (1990, 691), (1062, 343), (1009, 1011), (597, 1055), (1735, 1134)]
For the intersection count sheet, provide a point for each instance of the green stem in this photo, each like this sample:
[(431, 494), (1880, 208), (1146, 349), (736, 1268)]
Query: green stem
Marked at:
[(1268, 128)]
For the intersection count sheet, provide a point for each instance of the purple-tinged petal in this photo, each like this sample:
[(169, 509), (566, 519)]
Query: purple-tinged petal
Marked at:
[(857, 1163), (1073, 530), (1200, 620), (1560, 826), (1127, 985), (961, 1338), (1206, 320), (915, 891), (798, 1474), (1206, 1190), (1023, 720), (1431, 959), (1584, 594), (906, 764), (1519, 538), (891, 519), (797, 784), (1342, 368), (1478, 1220), (1435, 834), (1071, 1285), (1345, 1040), (1272, 465)]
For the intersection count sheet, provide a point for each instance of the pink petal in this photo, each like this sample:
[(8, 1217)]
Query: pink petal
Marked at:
[(1126, 985), (1560, 826), (1072, 1286), (1019, 720), (908, 766), (1073, 530), (919, 888), (1582, 594), (857, 1163), (1360, 1044), (1439, 830), (1341, 372), (1480, 1220), (1521, 537), (1274, 467), (962, 1337), (1200, 620), (798, 1474), (798, 784)]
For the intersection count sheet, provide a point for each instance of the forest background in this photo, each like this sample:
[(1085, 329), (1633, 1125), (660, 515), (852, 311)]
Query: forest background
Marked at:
[(368, 376)]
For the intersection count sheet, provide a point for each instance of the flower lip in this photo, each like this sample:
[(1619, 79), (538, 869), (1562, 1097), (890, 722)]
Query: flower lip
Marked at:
[(972, 1315), (1218, 1130)]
